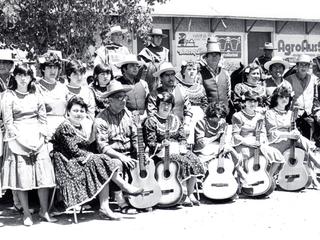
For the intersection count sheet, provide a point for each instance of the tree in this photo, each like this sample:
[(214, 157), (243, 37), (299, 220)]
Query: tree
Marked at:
[(68, 25)]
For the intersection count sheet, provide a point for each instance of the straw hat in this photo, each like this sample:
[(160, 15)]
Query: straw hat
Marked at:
[(212, 46), (303, 58), (130, 58), (7, 55), (268, 46), (157, 32), (276, 59), (164, 67), (116, 87)]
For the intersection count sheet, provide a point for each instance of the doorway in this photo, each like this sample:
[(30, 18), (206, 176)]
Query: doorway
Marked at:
[(256, 40)]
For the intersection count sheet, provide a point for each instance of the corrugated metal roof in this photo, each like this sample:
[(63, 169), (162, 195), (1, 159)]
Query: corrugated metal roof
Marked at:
[(283, 10)]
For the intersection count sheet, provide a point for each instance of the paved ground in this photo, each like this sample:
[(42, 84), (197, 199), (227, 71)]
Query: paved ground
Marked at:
[(284, 215)]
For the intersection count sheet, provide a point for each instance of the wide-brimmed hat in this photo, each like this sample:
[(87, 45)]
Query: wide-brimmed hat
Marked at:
[(130, 58), (268, 46), (303, 58), (212, 46), (115, 87), (274, 60), (7, 55), (157, 32), (164, 67), (115, 29)]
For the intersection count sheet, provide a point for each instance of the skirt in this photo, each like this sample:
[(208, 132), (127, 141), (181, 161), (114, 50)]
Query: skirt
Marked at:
[(20, 172), (80, 183), (198, 114)]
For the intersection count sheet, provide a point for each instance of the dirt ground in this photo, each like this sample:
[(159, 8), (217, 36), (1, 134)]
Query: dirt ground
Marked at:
[(286, 215)]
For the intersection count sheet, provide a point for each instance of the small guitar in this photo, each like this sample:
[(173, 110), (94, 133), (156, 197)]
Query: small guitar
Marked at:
[(220, 184), (143, 175), (256, 167), (167, 176), (294, 175)]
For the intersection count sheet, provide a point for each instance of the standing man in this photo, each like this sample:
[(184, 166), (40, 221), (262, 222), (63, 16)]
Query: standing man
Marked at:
[(112, 51), (216, 80), (116, 135), (7, 58), (303, 85), (267, 55), (130, 78), (153, 55)]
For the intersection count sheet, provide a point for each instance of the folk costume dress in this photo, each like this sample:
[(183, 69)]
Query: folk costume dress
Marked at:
[(244, 130), (26, 161), (79, 181), (55, 99), (154, 130), (241, 88), (199, 102)]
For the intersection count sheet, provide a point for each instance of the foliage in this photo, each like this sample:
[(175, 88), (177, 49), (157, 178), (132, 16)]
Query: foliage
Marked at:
[(68, 25)]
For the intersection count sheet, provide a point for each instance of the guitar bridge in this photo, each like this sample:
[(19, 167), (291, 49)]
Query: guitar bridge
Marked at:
[(219, 184)]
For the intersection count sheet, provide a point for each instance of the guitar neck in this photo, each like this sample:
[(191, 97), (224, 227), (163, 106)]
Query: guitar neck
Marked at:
[(221, 145), (258, 137), (141, 153), (167, 148)]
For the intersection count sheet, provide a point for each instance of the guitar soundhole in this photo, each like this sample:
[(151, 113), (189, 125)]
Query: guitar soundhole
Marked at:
[(167, 173), (256, 167), (220, 170), (143, 174), (292, 161)]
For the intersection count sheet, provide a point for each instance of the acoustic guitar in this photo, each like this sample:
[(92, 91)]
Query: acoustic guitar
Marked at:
[(262, 183), (167, 176), (220, 184), (143, 175), (294, 175)]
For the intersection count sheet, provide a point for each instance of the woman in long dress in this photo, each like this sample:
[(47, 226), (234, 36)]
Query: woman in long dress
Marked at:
[(27, 164), (155, 131), (82, 175)]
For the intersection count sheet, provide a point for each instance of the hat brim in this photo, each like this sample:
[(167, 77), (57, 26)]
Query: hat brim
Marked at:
[(205, 52), (120, 64), (158, 34), (158, 73), (123, 31), (263, 48), (8, 59), (269, 63), (125, 89)]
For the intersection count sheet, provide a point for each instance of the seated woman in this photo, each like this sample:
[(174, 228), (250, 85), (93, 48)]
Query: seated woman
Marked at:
[(26, 161), (190, 81), (243, 133), (278, 122), (80, 174), (252, 82), (208, 132), (102, 75), (155, 131)]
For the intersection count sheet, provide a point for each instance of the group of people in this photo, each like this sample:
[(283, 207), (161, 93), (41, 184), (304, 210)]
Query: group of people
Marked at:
[(79, 135)]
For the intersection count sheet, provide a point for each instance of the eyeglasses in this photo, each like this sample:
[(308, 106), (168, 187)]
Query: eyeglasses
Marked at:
[(120, 97)]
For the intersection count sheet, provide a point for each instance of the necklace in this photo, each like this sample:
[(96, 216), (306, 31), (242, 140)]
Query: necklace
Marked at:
[(248, 114), (22, 93)]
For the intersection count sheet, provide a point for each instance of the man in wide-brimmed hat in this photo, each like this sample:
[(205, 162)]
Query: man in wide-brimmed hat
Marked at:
[(7, 59), (303, 85), (130, 78), (182, 107), (267, 55), (276, 67), (216, 80), (112, 50), (115, 135)]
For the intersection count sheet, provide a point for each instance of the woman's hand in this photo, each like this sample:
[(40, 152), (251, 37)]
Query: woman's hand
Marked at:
[(128, 161), (294, 134), (254, 144)]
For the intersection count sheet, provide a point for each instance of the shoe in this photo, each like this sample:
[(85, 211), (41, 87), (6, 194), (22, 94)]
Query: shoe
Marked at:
[(46, 217), (108, 215), (27, 221), (128, 210), (194, 201)]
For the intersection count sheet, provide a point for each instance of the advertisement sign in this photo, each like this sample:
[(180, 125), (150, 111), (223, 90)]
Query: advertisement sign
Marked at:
[(190, 44)]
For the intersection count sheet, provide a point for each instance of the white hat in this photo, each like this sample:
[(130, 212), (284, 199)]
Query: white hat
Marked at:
[(303, 58), (164, 67), (115, 87), (212, 46), (130, 58), (268, 46), (115, 29), (8, 55), (157, 32), (276, 59)]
